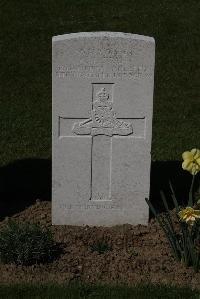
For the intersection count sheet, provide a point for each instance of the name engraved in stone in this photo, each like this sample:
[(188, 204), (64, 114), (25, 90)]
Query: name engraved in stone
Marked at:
[(89, 206), (98, 71), (106, 52)]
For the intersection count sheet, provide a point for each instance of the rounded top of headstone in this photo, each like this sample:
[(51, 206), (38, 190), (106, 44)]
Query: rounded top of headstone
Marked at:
[(103, 34)]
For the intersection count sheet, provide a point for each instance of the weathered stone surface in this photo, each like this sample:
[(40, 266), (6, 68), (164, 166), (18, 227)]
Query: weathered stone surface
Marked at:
[(102, 126)]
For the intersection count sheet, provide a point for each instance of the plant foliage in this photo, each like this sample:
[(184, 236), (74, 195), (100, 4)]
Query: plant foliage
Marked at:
[(26, 244), (101, 246), (185, 243)]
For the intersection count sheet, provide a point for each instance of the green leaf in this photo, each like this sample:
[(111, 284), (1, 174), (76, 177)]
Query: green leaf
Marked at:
[(174, 198), (168, 212), (190, 202), (166, 228)]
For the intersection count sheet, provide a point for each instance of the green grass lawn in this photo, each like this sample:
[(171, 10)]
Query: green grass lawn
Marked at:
[(26, 31), (97, 292)]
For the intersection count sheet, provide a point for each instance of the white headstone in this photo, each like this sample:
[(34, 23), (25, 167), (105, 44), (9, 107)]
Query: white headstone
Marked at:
[(102, 126)]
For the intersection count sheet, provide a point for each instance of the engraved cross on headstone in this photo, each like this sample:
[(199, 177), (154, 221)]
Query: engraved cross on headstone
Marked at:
[(102, 126)]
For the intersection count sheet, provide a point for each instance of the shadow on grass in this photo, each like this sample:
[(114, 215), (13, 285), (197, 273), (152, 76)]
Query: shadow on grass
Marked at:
[(24, 181)]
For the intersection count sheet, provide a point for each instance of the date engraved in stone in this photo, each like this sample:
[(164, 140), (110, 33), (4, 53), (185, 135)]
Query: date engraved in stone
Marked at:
[(89, 206)]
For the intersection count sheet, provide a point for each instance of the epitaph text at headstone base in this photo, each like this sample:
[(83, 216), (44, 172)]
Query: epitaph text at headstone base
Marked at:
[(102, 126)]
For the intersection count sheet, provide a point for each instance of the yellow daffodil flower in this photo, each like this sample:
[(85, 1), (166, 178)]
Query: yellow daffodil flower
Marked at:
[(189, 215), (191, 161)]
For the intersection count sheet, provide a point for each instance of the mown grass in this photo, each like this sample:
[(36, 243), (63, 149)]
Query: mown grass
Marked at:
[(26, 31), (54, 291)]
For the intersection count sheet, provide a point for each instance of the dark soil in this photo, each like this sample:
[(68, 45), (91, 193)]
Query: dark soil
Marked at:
[(136, 254)]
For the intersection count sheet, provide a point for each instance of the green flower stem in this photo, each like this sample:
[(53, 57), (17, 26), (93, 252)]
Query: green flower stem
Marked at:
[(190, 202)]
